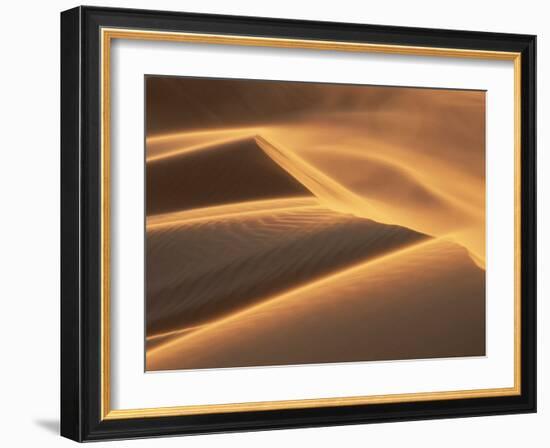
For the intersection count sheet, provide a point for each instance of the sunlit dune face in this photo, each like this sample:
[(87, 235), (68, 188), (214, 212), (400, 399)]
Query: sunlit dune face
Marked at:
[(284, 213), (346, 317)]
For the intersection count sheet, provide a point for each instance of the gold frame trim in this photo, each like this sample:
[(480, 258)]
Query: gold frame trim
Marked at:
[(107, 35)]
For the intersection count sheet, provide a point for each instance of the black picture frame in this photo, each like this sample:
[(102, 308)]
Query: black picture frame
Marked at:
[(81, 415)]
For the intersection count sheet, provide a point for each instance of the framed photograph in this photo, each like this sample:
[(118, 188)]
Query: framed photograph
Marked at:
[(275, 224)]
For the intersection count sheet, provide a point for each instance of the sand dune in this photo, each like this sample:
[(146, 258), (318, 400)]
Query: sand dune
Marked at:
[(199, 270), (292, 223), (426, 147), (241, 170), (172, 144), (399, 306), (399, 181)]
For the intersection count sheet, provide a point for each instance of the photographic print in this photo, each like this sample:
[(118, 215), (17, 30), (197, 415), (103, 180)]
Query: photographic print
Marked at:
[(274, 224), (297, 223)]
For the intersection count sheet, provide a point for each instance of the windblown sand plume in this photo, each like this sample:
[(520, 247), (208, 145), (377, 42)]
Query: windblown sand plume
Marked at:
[(292, 223)]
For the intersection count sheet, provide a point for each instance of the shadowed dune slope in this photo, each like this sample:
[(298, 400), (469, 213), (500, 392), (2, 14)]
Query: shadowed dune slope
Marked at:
[(399, 306), (171, 144), (201, 270), (225, 173)]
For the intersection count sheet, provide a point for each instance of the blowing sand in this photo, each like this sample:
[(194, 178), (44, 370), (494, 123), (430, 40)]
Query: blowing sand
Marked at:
[(292, 223)]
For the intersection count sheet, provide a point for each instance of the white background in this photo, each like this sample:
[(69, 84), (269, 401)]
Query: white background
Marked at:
[(29, 236), (133, 388)]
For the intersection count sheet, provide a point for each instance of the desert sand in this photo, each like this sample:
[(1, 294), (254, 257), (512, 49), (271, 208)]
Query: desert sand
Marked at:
[(292, 223), (396, 306)]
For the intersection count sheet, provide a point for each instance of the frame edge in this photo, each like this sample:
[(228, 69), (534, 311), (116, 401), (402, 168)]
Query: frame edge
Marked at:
[(71, 378), (528, 259)]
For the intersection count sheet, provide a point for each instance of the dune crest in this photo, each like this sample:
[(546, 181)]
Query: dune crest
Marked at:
[(329, 192), (242, 172), (277, 249)]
